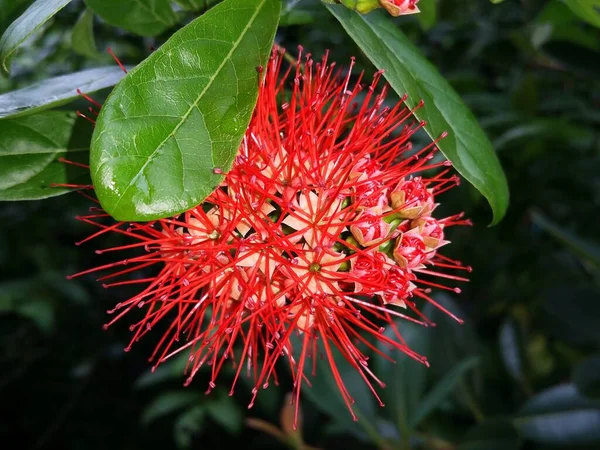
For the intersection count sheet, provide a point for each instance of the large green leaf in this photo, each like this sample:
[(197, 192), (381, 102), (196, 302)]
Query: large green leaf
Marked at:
[(143, 17), (560, 416), (182, 113), (29, 144), (588, 10), (32, 20), (57, 91), (405, 378), (168, 403), (407, 71), (29, 151)]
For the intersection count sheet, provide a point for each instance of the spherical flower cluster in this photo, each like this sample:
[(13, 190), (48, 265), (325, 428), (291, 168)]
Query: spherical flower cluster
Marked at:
[(322, 231)]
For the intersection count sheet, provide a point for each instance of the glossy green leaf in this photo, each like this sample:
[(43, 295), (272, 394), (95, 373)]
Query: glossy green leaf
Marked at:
[(30, 21), (585, 249), (493, 434), (29, 152), (29, 144), (182, 113), (407, 71), (405, 378), (82, 36), (588, 10), (586, 377), (57, 91), (440, 392), (143, 17), (560, 416), (168, 403)]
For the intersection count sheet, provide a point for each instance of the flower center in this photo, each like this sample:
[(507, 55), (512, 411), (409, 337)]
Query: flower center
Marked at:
[(314, 267)]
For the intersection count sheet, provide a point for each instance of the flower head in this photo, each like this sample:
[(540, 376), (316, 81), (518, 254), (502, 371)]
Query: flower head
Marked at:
[(323, 230)]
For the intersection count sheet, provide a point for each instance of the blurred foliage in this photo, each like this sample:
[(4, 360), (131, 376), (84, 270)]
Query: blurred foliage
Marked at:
[(521, 372)]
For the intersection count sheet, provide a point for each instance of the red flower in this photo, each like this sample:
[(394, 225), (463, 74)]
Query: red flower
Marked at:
[(321, 229)]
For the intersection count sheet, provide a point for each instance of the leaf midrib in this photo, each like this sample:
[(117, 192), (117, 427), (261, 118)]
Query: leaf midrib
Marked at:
[(194, 105)]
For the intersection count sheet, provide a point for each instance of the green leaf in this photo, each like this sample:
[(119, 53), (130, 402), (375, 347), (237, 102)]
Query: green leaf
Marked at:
[(10, 10), (173, 368), (493, 434), (32, 20), (82, 36), (588, 10), (193, 5), (572, 313), (560, 416), (187, 424), (29, 144), (511, 349), (142, 17), (428, 15), (168, 403), (583, 248), (182, 113), (586, 377), (226, 412), (57, 91), (407, 71), (434, 398), (405, 379), (29, 152)]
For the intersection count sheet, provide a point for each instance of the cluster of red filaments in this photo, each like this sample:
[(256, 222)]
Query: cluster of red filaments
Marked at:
[(321, 232)]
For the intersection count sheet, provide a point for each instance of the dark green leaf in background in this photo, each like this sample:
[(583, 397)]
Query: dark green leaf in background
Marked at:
[(57, 91), (29, 144), (560, 416), (588, 250), (143, 17), (511, 349), (182, 113), (82, 36), (407, 71), (441, 391), (10, 10), (168, 403), (572, 313), (493, 434), (586, 377), (32, 20), (588, 10), (428, 15), (405, 378), (29, 151)]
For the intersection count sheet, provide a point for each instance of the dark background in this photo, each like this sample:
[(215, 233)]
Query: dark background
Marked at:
[(530, 71)]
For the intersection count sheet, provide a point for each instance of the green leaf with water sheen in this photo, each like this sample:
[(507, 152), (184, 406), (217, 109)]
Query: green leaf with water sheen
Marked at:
[(57, 91), (82, 36), (408, 71), (30, 21), (560, 416), (182, 113), (143, 17), (588, 10)]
